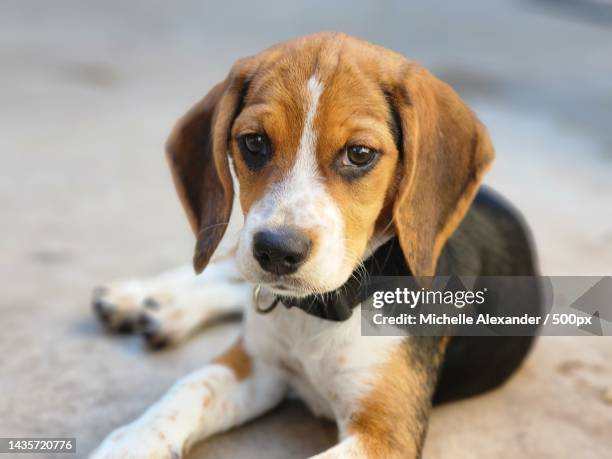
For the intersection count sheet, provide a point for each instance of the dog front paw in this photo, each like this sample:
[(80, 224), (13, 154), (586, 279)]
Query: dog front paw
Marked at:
[(163, 318), (165, 321), (138, 442), (118, 306)]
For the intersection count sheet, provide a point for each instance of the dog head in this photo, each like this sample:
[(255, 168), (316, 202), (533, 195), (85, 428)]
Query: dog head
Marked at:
[(335, 145)]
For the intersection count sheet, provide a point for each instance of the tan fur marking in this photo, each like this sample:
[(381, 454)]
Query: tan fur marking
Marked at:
[(447, 151), (356, 109), (237, 360), (275, 106), (392, 419)]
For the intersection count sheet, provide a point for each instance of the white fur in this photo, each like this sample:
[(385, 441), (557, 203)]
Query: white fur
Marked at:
[(349, 448), (176, 303), (301, 200), (327, 364), (202, 404)]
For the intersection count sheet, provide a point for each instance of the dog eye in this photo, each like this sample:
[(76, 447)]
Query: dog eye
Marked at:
[(355, 161), (359, 155), (255, 143), (255, 149)]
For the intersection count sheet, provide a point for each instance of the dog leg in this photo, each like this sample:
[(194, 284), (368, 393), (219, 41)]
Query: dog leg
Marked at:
[(389, 418), (348, 448), (170, 320), (235, 388), (356, 447), (168, 307)]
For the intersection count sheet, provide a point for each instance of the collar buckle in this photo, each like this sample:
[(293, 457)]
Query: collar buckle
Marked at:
[(256, 301)]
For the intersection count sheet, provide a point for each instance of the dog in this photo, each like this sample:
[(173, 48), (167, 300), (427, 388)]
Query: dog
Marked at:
[(334, 150)]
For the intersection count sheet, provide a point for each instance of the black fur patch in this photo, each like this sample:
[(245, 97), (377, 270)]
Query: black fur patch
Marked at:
[(395, 123)]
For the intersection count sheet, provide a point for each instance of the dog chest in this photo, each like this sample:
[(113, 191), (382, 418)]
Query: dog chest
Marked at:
[(329, 365)]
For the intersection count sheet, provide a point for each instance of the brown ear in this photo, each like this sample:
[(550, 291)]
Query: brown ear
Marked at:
[(197, 154), (446, 151)]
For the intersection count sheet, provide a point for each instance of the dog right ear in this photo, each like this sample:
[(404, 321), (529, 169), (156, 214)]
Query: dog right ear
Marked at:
[(197, 152), (446, 152)]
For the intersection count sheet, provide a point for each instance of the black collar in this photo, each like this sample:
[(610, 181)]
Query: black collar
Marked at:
[(388, 260)]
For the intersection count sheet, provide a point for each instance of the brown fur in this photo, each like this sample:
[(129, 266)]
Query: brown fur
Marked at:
[(423, 185), (447, 152), (445, 149), (237, 359), (391, 421), (196, 152)]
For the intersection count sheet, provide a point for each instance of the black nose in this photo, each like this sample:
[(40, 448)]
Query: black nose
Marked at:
[(281, 251)]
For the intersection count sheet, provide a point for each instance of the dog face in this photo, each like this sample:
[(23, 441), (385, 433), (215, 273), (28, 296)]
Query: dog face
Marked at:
[(315, 157), (335, 145)]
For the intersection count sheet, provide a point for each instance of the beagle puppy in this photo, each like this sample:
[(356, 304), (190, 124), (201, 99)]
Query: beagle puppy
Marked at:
[(336, 151)]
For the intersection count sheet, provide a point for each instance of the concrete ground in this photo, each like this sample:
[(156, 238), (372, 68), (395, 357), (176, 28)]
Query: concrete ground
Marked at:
[(88, 93)]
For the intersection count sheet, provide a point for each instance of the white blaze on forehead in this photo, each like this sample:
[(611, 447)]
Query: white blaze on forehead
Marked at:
[(302, 193), (305, 163), (297, 199), (301, 200)]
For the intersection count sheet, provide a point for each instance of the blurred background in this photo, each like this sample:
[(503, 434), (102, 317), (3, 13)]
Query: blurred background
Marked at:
[(90, 90)]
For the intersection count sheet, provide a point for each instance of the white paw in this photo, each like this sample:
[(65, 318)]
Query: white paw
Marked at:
[(167, 308), (168, 320), (138, 442), (118, 305), (132, 306)]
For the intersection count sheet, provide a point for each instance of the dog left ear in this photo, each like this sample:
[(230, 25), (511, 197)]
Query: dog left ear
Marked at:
[(445, 153), (197, 152)]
